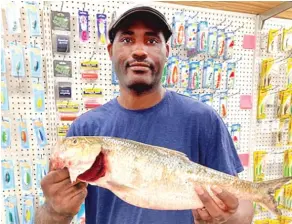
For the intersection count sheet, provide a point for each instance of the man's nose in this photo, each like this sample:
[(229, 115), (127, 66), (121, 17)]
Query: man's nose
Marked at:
[(139, 54)]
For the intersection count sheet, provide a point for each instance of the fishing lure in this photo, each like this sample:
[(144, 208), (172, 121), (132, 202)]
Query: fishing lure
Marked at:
[(4, 94), (223, 104), (184, 73), (11, 210), (23, 133), (208, 74), (17, 60), (229, 45), (38, 95), (5, 133), (8, 178), (83, 26), (195, 76), (213, 42), (40, 132), (28, 209), (35, 61), (178, 37), (33, 19), (217, 75), (26, 175), (101, 21), (202, 44)]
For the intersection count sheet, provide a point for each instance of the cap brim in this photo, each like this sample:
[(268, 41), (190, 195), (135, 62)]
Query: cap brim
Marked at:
[(116, 25)]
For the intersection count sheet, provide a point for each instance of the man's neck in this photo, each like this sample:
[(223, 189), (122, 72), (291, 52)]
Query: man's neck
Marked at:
[(132, 101)]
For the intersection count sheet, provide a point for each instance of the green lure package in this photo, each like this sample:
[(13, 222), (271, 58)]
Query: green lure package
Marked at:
[(5, 133), (26, 175), (35, 61), (8, 179), (11, 210), (28, 211), (17, 60), (4, 94)]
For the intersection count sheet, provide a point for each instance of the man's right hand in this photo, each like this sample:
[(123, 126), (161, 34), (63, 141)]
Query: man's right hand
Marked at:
[(63, 198)]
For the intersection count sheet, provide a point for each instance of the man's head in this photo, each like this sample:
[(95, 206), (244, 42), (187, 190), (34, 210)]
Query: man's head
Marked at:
[(138, 48)]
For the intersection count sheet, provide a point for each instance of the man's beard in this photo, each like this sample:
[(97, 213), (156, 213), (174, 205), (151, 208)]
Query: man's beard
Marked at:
[(140, 88)]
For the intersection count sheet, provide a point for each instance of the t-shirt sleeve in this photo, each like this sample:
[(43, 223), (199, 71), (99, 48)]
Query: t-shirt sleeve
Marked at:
[(218, 149), (73, 130)]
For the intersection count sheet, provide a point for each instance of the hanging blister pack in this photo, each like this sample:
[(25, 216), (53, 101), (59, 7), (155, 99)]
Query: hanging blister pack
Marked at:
[(40, 133), (62, 68), (8, 179), (80, 216), (101, 26), (217, 75), (93, 97), (38, 95), (26, 175), (273, 41), (207, 99), (60, 21), (13, 18), (33, 18), (195, 75), (184, 73), (64, 90), (287, 39), (35, 61), (235, 135), (17, 60), (3, 61), (231, 75), (89, 69), (28, 212), (223, 104), (4, 94), (265, 73), (11, 210), (42, 199), (229, 45), (164, 75), (173, 72), (5, 133), (208, 74), (289, 72), (221, 43), (83, 24), (115, 80), (42, 169), (213, 42), (202, 44), (178, 26), (191, 36), (23, 133)]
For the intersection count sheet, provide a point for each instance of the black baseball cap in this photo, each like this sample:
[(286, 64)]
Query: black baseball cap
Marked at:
[(140, 11)]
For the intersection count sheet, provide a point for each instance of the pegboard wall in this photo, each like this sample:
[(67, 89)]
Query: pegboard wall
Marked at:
[(21, 99)]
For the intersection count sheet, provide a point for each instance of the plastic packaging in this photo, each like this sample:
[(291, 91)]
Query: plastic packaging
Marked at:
[(26, 175), (38, 95), (202, 44), (8, 178), (23, 133), (195, 76), (40, 133), (83, 24), (33, 18), (28, 211), (101, 26), (11, 210), (178, 24), (4, 94), (208, 74), (5, 133), (213, 42), (35, 61), (17, 60)]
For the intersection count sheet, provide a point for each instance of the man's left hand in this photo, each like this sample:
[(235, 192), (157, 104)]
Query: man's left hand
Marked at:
[(215, 212)]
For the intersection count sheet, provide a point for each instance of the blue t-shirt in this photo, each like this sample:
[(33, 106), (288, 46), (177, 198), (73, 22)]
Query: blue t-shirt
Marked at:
[(178, 122)]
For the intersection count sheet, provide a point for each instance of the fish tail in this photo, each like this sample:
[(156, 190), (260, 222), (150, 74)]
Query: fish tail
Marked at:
[(268, 189)]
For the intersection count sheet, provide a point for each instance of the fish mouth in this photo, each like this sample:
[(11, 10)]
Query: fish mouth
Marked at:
[(96, 171)]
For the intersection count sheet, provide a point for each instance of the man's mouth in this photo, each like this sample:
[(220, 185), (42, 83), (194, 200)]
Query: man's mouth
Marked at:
[(139, 67)]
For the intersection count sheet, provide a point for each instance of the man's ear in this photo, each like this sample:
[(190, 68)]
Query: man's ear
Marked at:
[(110, 49), (167, 50)]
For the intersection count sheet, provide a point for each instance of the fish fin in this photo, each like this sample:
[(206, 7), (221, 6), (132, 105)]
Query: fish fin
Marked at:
[(269, 187)]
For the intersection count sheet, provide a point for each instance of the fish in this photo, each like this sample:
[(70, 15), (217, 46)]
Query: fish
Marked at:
[(152, 177)]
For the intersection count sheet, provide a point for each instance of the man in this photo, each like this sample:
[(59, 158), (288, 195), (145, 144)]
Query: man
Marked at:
[(148, 113)]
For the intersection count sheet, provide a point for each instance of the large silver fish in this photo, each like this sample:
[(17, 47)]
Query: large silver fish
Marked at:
[(152, 177)]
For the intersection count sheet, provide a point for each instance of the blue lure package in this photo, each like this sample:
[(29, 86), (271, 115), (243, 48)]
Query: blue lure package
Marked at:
[(184, 69), (40, 133), (221, 38), (8, 179), (229, 45), (33, 18), (217, 75), (223, 104), (195, 75), (38, 95), (231, 66), (23, 133), (28, 211), (4, 94), (202, 44), (35, 61), (235, 135), (5, 133), (191, 35), (26, 175), (12, 12), (208, 74), (42, 169), (3, 61), (11, 210), (101, 26), (212, 42), (17, 60)]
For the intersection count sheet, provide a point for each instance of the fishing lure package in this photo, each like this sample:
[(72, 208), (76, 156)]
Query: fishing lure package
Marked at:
[(64, 90), (62, 130), (195, 96), (93, 97), (285, 110), (191, 36), (223, 104), (13, 18), (207, 99), (62, 68), (23, 133), (265, 75), (17, 61), (262, 101), (33, 18), (38, 96), (5, 133), (184, 73), (235, 135), (26, 175), (60, 21), (28, 211), (273, 41), (3, 62), (208, 74), (287, 169), (101, 26), (89, 69), (287, 39), (178, 27), (115, 80), (68, 110), (280, 133), (8, 178), (35, 61), (83, 24), (202, 43), (259, 160), (80, 216), (229, 46), (289, 73), (41, 198), (231, 75), (221, 43), (217, 75), (195, 75), (213, 42), (4, 94), (40, 132), (11, 210), (172, 79)]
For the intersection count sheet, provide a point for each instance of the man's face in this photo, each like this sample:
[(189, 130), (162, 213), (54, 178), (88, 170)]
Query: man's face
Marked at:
[(138, 54)]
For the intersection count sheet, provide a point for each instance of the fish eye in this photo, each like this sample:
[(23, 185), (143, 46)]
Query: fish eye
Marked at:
[(75, 141)]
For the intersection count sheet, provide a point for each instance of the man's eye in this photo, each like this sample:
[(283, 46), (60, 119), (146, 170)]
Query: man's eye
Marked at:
[(152, 41), (126, 40)]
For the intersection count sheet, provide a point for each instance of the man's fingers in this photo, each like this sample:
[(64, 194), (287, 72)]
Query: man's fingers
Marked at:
[(196, 215), (209, 204), (228, 199), (75, 187), (204, 214), (57, 176)]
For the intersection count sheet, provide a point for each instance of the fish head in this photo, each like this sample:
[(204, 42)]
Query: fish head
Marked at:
[(77, 154)]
